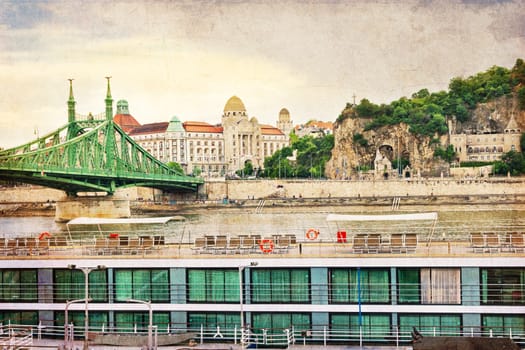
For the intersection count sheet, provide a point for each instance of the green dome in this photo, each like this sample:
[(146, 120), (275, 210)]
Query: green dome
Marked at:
[(175, 125)]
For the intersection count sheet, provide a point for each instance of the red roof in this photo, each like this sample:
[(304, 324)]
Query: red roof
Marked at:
[(150, 128), (126, 122), (270, 130), (202, 127)]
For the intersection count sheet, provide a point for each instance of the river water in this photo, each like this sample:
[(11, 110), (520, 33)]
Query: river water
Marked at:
[(452, 223)]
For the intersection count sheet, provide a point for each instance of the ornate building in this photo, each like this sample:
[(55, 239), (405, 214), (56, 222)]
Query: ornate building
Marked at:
[(485, 147), (216, 150)]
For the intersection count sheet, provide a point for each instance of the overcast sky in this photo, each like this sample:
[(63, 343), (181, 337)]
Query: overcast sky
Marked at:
[(186, 58)]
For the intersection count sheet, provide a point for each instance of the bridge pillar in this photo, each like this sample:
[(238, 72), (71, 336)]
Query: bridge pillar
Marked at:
[(98, 207)]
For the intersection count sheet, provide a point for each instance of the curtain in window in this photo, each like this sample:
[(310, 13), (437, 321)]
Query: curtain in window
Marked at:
[(280, 285), (142, 284), (339, 283), (300, 291), (97, 319), (374, 286), (231, 286), (503, 286), (213, 285), (441, 286), (503, 324), (160, 285), (373, 327), (69, 285), (226, 321), (260, 283), (445, 325), (275, 323), (196, 285), (19, 317)]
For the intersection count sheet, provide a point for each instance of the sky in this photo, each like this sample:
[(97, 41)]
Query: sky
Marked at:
[(187, 58)]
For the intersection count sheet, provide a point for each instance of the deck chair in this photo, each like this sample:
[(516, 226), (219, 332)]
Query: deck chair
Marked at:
[(396, 243), (359, 243), (492, 240), (199, 245), (221, 243), (410, 242), (112, 246), (517, 243), (234, 245), (477, 242), (373, 243), (147, 244), (247, 243)]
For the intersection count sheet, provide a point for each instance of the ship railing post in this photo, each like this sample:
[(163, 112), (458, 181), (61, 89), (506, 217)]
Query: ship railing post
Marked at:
[(324, 335), (360, 336), (396, 329), (235, 334), (202, 334)]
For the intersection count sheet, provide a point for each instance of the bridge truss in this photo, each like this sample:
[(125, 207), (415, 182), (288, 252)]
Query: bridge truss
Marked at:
[(90, 154)]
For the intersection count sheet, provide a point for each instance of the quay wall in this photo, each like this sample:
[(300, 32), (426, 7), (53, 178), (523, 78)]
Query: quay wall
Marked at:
[(278, 189), (262, 189)]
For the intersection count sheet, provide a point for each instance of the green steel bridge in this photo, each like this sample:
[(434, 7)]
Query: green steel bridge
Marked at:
[(90, 154)]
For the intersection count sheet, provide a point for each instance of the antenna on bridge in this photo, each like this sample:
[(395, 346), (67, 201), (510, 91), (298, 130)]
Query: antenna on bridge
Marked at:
[(109, 102), (71, 103)]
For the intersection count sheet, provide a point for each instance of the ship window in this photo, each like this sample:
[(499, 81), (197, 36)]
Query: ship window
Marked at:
[(280, 285), (19, 317), (429, 286), (373, 286), (142, 284), (276, 323), (213, 320), (69, 285), (18, 285), (97, 319), (129, 321), (213, 285), (442, 325), (503, 325), (374, 326), (503, 286)]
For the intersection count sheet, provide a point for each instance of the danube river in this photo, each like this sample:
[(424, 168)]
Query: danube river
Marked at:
[(453, 222)]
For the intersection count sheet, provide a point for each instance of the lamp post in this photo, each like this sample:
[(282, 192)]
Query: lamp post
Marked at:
[(241, 303), (66, 321), (150, 324), (86, 271)]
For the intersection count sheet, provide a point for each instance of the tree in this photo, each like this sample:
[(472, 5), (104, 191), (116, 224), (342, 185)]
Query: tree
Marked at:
[(176, 167), (511, 162)]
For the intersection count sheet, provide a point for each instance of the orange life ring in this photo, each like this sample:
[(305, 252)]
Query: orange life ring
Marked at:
[(44, 235), (266, 246), (312, 234)]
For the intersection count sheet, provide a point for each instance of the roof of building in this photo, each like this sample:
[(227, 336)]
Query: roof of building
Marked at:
[(175, 125), (151, 128), (126, 122), (234, 104), (270, 130), (202, 127)]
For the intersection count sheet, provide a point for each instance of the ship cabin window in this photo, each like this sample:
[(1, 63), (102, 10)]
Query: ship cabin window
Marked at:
[(365, 286), (443, 325), (19, 317), (504, 325), (503, 286), (276, 323), (429, 286), (280, 285), (213, 285), (374, 326), (212, 320), (97, 319), (18, 285), (132, 322), (69, 285), (142, 284)]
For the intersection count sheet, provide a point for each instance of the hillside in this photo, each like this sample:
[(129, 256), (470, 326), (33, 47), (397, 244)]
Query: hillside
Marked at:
[(409, 130)]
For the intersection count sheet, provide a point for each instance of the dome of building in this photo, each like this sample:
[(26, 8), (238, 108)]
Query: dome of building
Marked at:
[(234, 104), (122, 107), (284, 115), (175, 125)]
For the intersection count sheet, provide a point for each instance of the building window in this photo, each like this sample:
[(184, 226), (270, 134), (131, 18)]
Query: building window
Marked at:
[(142, 284), (18, 285), (374, 326), (503, 286), (132, 322), (280, 285), (213, 285), (373, 286), (442, 325), (69, 285)]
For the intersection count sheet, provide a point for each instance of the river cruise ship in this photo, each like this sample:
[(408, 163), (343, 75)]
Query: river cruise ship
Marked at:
[(369, 281)]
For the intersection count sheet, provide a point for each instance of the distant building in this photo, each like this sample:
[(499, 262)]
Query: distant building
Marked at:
[(486, 147), (314, 128), (216, 150)]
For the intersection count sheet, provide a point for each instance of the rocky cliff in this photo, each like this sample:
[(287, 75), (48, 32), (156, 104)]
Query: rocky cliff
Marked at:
[(356, 148)]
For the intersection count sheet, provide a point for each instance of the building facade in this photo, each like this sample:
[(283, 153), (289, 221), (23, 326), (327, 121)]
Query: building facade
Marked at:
[(211, 150)]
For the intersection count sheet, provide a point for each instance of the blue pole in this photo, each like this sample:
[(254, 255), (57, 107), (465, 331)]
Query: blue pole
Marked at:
[(360, 318)]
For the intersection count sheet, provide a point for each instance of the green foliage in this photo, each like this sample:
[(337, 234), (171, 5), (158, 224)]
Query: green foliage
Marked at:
[(426, 113), (360, 140), (522, 142), (312, 155), (447, 154), (176, 167), (474, 164), (247, 170), (511, 162)]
